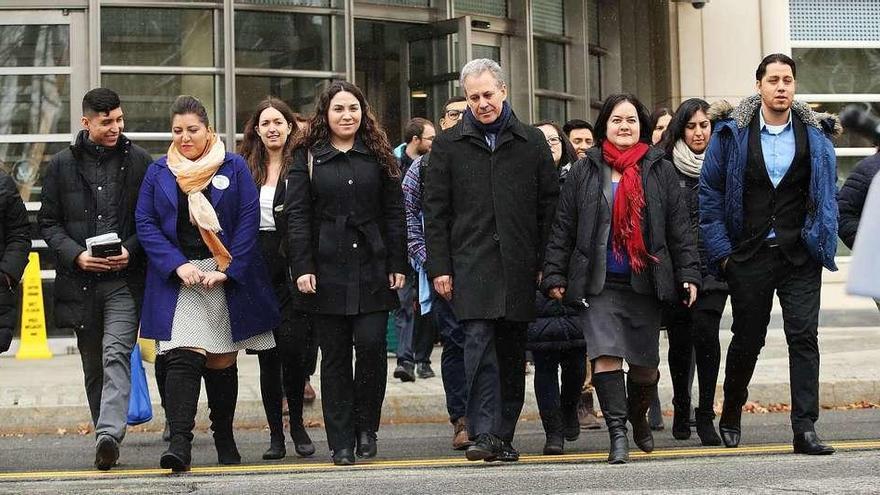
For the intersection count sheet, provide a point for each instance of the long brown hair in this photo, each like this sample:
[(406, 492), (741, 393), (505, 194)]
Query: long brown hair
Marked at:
[(369, 131), (254, 151)]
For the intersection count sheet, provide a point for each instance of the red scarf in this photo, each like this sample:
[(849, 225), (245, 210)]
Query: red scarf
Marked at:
[(629, 205)]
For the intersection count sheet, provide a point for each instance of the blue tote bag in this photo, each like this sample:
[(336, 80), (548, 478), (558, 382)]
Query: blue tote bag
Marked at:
[(140, 410)]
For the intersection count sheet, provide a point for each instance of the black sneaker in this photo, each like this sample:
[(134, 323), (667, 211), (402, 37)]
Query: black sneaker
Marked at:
[(423, 370), (486, 448), (404, 372), (508, 453), (106, 452)]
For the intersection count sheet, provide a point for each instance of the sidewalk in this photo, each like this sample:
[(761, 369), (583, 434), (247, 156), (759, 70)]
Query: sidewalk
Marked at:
[(45, 396)]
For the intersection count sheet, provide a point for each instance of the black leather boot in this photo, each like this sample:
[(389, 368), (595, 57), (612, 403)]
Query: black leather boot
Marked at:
[(555, 442), (301, 441), (706, 427), (730, 423), (681, 428), (611, 391), (639, 398), (182, 386), (222, 390), (571, 427), (161, 373)]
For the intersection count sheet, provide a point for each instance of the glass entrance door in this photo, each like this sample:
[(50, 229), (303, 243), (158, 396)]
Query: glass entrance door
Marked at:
[(42, 81), (431, 66)]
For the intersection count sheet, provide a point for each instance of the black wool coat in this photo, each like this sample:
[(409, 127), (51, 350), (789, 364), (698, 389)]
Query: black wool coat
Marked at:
[(487, 217), (67, 219), (576, 252), (346, 226), (15, 242), (851, 198)]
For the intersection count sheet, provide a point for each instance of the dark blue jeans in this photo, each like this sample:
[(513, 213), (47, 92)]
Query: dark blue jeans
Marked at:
[(452, 359), (547, 387)]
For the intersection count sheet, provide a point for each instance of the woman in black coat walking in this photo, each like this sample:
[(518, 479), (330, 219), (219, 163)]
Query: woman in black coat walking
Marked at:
[(15, 242), (693, 331), (620, 245), (347, 244), (269, 140)]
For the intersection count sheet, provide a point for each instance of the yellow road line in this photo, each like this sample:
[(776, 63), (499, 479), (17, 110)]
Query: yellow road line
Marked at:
[(423, 463)]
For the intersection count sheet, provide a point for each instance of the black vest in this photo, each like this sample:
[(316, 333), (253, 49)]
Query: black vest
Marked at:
[(783, 208)]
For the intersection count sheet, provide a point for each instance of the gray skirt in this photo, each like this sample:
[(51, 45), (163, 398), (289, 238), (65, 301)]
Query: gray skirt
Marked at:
[(201, 320), (623, 324)]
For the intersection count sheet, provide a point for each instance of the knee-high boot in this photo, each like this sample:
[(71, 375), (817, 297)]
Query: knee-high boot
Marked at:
[(639, 398), (611, 391), (161, 374), (182, 385), (222, 389)]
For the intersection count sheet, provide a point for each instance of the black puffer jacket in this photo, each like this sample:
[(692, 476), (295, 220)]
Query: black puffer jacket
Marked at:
[(577, 250), (67, 219), (851, 198), (690, 191), (15, 242), (555, 328)]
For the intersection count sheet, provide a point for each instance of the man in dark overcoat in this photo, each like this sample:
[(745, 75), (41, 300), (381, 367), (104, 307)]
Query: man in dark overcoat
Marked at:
[(490, 195)]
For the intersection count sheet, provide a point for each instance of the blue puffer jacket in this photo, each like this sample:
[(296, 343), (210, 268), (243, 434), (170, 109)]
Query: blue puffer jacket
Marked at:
[(723, 178)]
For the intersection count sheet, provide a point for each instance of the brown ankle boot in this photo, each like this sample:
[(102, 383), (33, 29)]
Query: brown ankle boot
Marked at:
[(460, 439), (587, 416)]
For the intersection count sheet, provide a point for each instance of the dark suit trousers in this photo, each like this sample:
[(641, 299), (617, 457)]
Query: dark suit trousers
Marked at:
[(494, 365), (752, 284), (352, 402)]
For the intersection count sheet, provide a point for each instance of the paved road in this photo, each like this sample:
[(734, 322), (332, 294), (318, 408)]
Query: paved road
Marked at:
[(416, 459)]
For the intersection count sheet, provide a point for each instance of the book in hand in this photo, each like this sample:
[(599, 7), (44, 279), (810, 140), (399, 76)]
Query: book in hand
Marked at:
[(104, 246)]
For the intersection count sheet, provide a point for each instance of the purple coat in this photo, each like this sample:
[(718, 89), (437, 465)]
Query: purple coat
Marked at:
[(253, 308)]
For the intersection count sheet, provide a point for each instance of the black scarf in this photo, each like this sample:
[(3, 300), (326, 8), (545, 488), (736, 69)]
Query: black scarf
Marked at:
[(495, 127)]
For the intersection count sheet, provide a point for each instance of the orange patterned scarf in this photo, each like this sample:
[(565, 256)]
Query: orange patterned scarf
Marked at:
[(192, 178)]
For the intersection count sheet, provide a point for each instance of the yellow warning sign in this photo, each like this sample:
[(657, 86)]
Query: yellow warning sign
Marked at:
[(33, 316)]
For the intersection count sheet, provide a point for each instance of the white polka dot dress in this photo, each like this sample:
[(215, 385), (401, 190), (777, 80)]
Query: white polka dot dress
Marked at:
[(201, 320)]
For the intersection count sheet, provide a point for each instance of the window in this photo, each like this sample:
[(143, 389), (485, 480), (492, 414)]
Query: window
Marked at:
[(596, 54), (278, 40), (549, 67), (496, 8)]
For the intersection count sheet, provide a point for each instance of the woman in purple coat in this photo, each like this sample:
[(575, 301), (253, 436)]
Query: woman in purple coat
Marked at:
[(207, 291)]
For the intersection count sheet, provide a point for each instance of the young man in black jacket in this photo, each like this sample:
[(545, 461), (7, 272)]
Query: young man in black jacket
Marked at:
[(15, 242), (91, 189)]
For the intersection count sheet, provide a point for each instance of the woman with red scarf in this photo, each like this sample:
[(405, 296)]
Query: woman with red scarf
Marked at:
[(621, 244)]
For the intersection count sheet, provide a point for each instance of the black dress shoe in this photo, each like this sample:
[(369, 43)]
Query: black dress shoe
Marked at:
[(424, 370), (343, 457), (508, 453), (487, 448), (276, 450), (809, 443), (106, 452), (730, 435), (302, 443), (404, 372), (366, 444)]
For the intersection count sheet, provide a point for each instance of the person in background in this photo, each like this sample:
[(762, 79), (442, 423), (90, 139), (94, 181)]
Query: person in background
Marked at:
[(90, 189), (619, 275), (851, 199), (207, 286), (485, 233), (15, 243), (659, 122), (267, 147), (693, 331), (414, 342), (347, 250), (561, 149), (768, 215), (453, 111), (580, 133)]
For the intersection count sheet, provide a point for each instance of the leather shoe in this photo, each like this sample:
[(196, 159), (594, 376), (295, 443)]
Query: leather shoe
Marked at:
[(808, 443), (730, 435), (508, 453), (460, 439), (276, 449), (106, 452), (424, 370), (366, 444), (343, 457), (487, 447), (404, 372)]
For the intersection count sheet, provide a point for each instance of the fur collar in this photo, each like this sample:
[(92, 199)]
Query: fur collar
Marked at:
[(743, 113)]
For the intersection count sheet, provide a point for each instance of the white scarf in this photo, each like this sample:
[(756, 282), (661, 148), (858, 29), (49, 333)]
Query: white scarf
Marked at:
[(685, 160)]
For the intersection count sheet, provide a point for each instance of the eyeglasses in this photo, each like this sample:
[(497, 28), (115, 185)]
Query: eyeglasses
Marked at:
[(554, 140), (454, 114)]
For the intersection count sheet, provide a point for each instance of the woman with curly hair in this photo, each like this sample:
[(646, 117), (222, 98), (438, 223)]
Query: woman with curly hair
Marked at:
[(267, 147), (347, 251)]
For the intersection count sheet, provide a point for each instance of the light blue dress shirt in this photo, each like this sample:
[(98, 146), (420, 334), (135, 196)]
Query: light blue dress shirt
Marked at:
[(778, 147)]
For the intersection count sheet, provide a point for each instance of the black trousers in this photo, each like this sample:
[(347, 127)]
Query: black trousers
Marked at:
[(283, 373), (548, 392), (352, 401), (752, 284), (494, 367), (693, 337)]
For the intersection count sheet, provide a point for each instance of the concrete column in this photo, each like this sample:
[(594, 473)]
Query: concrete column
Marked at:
[(775, 27)]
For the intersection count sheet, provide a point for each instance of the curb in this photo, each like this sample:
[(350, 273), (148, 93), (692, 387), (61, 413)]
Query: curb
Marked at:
[(398, 409)]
